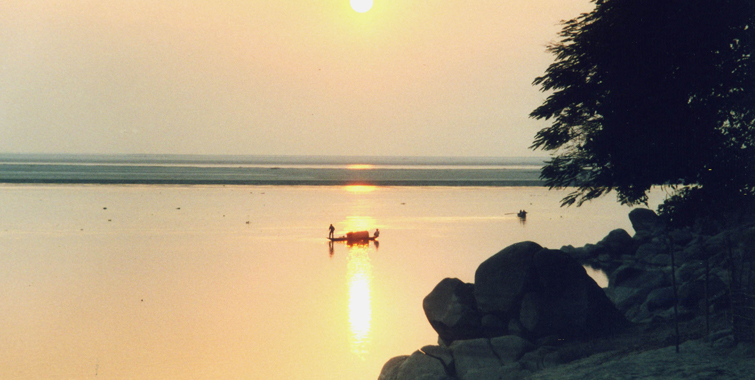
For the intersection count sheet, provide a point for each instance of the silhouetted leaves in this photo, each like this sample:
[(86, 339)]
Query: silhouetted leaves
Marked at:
[(651, 92)]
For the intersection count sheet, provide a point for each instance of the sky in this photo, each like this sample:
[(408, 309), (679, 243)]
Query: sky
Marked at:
[(261, 77)]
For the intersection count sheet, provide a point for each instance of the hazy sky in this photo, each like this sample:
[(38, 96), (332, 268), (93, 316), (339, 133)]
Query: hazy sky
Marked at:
[(312, 77)]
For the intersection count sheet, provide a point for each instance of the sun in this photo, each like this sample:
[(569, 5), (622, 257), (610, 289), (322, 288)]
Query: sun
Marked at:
[(361, 6)]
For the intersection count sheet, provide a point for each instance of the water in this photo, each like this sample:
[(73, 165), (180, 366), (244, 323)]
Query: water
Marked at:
[(270, 170), (216, 281)]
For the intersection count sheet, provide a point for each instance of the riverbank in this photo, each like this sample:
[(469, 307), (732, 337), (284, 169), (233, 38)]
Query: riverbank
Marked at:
[(712, 357), (532, 315)]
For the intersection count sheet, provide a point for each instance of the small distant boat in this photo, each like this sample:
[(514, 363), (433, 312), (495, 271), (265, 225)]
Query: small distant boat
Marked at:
[(355, 237), (522, 214)]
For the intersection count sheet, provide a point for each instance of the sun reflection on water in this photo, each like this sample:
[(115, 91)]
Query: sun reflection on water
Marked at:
[(360, 167), (359, 271), (360, 188), (358, 223)]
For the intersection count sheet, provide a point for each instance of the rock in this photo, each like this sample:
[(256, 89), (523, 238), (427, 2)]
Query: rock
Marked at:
[(648, 251), (481, 359), (484, 373), (692, 292), (472, 355), (451, 310), (575, 303), (690, 271), (660, 260), (494, 326), (693, 252), (593, 250), (501, 280), (391, 367), (642, 237), (645, 220), (443, 354), (681, 236), (516, 328), (661, 298), (532, 312), (717, 244), (511, 371), (536, 360), (568, 249), (624, 297), (549, 293), (526, 293), (617, 243), (510, 348), (640, 278), (630, 286), (624, 273), (581, 254), (667, 315), (419, 366)]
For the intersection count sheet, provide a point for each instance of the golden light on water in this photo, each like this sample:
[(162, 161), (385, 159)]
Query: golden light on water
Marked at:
[(360, 167), (359, 223), (359, 188), (359, 272)]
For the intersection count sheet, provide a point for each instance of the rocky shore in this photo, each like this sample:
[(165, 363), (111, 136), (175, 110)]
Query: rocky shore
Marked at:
[(533, 313)]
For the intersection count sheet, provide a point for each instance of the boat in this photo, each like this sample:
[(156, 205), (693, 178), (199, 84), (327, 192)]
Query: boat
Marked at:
[(354, 237)]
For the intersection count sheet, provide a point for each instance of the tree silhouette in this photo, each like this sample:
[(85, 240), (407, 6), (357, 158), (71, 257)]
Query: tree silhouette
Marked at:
[(652, 92)]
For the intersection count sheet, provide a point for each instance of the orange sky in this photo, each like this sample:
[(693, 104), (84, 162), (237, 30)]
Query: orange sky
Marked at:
[(313, 77)]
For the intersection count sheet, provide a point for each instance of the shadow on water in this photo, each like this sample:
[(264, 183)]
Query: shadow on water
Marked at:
[(350, 245)]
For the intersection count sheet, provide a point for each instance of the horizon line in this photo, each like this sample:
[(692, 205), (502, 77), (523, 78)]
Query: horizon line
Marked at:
[(268, 158)]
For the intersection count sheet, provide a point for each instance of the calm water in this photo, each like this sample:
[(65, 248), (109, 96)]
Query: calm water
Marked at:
[(239, 282)]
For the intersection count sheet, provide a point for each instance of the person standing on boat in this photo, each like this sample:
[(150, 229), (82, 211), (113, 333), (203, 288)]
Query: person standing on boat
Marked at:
[(331, 229), (377, 233)]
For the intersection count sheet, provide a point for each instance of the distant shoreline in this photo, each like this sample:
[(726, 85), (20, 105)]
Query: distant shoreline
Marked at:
[(197, 159), (277, 183), (269, 170)]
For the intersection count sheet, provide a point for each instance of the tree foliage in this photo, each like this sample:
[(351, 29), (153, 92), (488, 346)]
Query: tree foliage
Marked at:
[(651, 92)]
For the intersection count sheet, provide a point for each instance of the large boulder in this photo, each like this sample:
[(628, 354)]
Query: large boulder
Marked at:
[(420, 366), (391, 367), (546, 291), (617, 243), (451, 310), (510, 348), (660, 299), (474, 355), (572, 304), (630, 285), (501, 280), (645, 220)]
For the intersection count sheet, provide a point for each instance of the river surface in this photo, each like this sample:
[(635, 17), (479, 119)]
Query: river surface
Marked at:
[(219, 282)]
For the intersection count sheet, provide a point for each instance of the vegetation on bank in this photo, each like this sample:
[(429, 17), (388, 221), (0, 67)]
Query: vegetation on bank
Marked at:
[(647, 93)]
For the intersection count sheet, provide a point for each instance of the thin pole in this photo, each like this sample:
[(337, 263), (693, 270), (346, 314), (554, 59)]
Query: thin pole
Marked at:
[(673, 284)]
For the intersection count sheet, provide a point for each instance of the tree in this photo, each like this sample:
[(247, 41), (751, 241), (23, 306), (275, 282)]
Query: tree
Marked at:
[(652, 92)]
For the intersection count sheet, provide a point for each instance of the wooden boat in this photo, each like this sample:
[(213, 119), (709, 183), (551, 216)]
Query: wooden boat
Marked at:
[(354, 237)]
